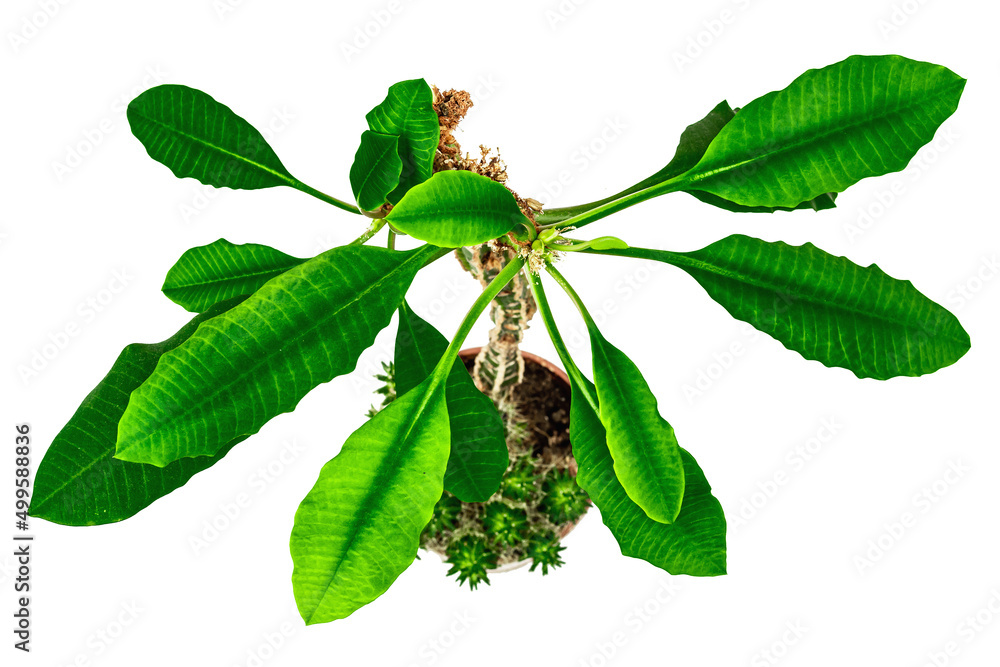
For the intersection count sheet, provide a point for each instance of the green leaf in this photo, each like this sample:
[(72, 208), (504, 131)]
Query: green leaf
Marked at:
[(408, 113), (478, 457), (198, 137), (359, 527), (79, 482), (457, 208), (693, 144), (376, 169), (830, 128), (647, 458), (301, 329), (694, 544), (221, 270), (823, 306)]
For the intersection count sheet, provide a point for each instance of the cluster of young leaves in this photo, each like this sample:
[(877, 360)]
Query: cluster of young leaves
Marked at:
[(520, 519), (272, 327)]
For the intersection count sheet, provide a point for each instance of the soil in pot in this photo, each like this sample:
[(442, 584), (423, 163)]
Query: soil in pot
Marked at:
[(538, 502)]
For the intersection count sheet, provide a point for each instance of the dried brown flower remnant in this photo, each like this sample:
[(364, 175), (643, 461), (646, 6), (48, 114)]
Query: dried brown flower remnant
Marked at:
[(451, 107)]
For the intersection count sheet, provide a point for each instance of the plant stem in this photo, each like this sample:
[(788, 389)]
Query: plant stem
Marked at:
[(372, 230), (584, 214), (499, 365), (577, 301), (448, 358), (309, 190), (391, 241), (580, 382)]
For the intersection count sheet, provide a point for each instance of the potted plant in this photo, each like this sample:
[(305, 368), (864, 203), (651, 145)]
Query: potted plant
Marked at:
[(443, 461)]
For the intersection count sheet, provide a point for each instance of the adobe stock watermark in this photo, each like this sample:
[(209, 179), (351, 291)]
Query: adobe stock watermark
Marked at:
[(367, 33), (86, 312), (203, 195), (33, 23), (77, 151), (101, 640), (259, 481), (432, 650), (626, 287), (633, 623), (966, 631), (968, 289), (868, 215), (722, 361), (921, 504), (708, 34), (778, 649), (561, 12), (267, 645), (795, 460), (899, 15), (764, 321), (223, 8), (581, 159)]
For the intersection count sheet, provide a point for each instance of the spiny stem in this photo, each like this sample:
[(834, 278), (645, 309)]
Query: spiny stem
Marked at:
[(309, 190), (447, 359), (499, 365)]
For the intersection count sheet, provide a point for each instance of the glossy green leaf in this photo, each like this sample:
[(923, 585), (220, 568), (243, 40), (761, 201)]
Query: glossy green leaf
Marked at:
[(693, 143), (198, 137), (376, 169), (359, 527), (647, 458), (79, 482), (830, 128), (301, 329), (221, 270), (479, 456), (692, 146), (457, 208), (694, 544), (408, 113), (823, 306)]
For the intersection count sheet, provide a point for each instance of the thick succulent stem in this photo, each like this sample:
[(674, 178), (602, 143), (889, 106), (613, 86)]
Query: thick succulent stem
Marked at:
[(499, 365)]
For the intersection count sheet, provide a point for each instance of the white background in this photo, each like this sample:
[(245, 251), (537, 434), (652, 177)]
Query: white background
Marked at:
[(548, 79)]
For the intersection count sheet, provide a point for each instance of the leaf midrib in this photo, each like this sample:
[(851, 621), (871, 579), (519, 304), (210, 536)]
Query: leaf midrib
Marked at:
[(287, 178), (484, 214), (644, 455), (406, 131), (684, 260), (377, 167), (162, 425), (839, 129), (229, 279), (388, 470), (681, 528)]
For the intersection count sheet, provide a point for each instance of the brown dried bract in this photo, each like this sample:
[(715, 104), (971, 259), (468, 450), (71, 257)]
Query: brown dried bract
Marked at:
[(451, 107)]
